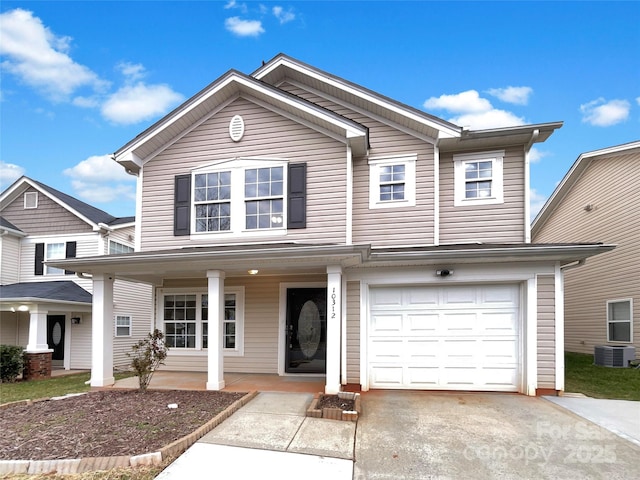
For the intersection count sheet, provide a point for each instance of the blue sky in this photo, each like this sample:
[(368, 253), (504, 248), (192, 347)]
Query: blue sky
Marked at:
[(80, 79)]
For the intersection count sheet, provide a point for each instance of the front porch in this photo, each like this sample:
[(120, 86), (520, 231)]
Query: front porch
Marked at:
[(234, 382)]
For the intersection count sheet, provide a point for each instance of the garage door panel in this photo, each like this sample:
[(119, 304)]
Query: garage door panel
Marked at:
[(445, 338)]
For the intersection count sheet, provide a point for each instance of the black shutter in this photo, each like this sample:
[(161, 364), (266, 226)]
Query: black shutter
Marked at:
[(70, 252), (39, 267), (297, 196), (182, 205)]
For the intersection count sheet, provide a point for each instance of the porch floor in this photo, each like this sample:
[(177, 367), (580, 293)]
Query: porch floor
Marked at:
[(235, 382)]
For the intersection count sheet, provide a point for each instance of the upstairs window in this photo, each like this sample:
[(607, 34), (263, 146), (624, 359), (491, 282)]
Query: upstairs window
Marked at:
[(620, 321), (116, 248), (264, 200), (212, 199), (54, 251), (478, 178), (392, 181)]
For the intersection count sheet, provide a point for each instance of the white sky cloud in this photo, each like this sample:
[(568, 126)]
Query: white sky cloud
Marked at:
[(100, 179), (282, 15), (473, 111), (40, 58), (135, 103), (536, 155), (244, 28), (233, 4), (132, 71), (536, 202), (601, 113), (516, 95), (9, 173)]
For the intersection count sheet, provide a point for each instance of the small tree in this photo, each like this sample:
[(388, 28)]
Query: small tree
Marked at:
[(147, 355), (11, 362)]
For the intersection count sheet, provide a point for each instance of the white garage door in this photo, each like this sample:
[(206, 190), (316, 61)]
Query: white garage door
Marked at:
[(444, 338)]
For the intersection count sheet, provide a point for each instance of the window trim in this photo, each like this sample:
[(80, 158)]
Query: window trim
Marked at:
[(114, 242), (59, 271), (116, 326), (630, 321), (237, 167), (30, 197), (375, 164), (496, 158), (198, 292)]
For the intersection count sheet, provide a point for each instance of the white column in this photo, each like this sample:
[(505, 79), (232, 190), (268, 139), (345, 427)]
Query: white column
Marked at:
[(102, 331), (215, 361), (334, 327), (37, 331)]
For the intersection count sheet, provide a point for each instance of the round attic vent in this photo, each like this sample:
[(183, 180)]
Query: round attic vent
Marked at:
[(236, 128)]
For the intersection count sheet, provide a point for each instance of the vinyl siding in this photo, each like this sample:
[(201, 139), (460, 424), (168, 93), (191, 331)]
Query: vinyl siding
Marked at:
[(133, 299), (14, 328), (267, 135), (546, 331), (261, 326), (353, 332), (503, 223), (9, 259), (386, 226), (81, 343), (48, 219), (612, 186)]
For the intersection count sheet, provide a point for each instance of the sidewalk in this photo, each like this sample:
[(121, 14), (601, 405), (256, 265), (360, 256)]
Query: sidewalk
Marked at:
[(271, 437)]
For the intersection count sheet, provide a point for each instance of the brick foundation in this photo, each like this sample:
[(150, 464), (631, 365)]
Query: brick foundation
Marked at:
[(37, 365)]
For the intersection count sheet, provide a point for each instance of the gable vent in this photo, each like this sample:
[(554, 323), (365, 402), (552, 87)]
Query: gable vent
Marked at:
[(236, 128), (31, 200)]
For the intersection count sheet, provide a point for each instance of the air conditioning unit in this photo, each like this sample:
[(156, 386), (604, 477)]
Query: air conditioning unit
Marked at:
[(614, 355)]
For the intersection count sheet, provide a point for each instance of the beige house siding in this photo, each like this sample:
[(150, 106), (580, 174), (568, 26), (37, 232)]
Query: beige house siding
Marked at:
[(48, 219), (386, 226), (546, 331), (353, 332), (261, 325), (267, 135), (14, 328), (9, 259), (503, 223), (612, 187), (81, 343), (136, 300)]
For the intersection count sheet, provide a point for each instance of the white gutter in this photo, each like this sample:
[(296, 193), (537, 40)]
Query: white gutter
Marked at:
[(436, 194), (349, 213), (527, 186)]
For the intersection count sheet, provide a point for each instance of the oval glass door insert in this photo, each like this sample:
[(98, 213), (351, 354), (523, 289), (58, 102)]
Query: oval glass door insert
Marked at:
[(309, 329)]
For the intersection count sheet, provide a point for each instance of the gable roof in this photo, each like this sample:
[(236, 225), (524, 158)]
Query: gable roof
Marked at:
[(9, 227), (88, 213), (64, 291), (574, 174)]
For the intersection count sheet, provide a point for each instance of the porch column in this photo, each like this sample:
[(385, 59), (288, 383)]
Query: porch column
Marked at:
[(215, 363), (102, 331), (334, 327), (37, 331)]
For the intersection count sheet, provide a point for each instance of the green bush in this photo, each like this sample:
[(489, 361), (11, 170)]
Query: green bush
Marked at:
[(147, 355), (11, 362)]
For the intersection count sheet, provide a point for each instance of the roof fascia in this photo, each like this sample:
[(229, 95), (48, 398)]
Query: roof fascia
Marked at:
[(571, 178), (448, 130)]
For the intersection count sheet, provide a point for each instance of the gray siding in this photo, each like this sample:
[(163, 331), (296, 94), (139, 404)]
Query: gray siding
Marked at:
[(353, 332), (546, 331), (612, 186), (266, 135), (48, 219), (504, 223), (9, 259)]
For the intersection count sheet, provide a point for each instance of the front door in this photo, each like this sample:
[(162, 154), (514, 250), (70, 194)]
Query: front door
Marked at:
[(306, 349), (55, 336)]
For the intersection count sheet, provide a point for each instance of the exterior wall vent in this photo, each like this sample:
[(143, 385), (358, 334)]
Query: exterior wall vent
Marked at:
[(614, 355), (31, 200), (236, 128)]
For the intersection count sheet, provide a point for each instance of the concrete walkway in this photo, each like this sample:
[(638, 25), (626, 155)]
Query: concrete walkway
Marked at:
[(271, 437)]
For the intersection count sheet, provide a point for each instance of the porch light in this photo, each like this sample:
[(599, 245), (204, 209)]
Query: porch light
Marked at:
[(252, 272), (23, 308)]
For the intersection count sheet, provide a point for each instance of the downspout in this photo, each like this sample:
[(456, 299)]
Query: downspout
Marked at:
[(527, 186), (436, 193), (349, 212)]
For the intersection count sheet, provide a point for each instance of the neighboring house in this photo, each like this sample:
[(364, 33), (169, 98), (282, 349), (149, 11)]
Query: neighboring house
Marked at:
[(44, 308), (295, 223), (599, 200)]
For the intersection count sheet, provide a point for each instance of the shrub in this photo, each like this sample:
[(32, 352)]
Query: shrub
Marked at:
[(147, 355), (11, 362)]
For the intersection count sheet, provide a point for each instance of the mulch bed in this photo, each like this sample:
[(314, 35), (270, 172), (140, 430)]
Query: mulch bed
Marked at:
[(333, 401), (106, 423)]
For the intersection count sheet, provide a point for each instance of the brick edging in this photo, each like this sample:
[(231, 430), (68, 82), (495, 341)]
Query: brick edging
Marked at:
[(88, 464)]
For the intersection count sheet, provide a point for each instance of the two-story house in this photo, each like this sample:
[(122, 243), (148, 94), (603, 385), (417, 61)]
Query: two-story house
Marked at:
[(46, 309), (597, 200), (295, 223)]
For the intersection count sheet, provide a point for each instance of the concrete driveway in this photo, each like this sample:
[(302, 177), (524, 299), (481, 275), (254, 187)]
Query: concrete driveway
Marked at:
[(422, 435)]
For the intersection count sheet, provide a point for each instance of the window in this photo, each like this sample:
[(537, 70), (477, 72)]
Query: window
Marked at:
[(392, 181), (478, 178), (263, 192), (187, 326), (123, 325), (620, 321), (116, 247), (212, 198), (54, 251)]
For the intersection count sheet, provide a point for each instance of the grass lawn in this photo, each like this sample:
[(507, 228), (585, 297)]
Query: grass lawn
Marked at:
[(582, 376)]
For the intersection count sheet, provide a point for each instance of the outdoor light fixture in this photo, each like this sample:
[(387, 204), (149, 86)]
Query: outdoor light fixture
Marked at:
[(444, 272), (75, 320), (252, 272), (23, 308)]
